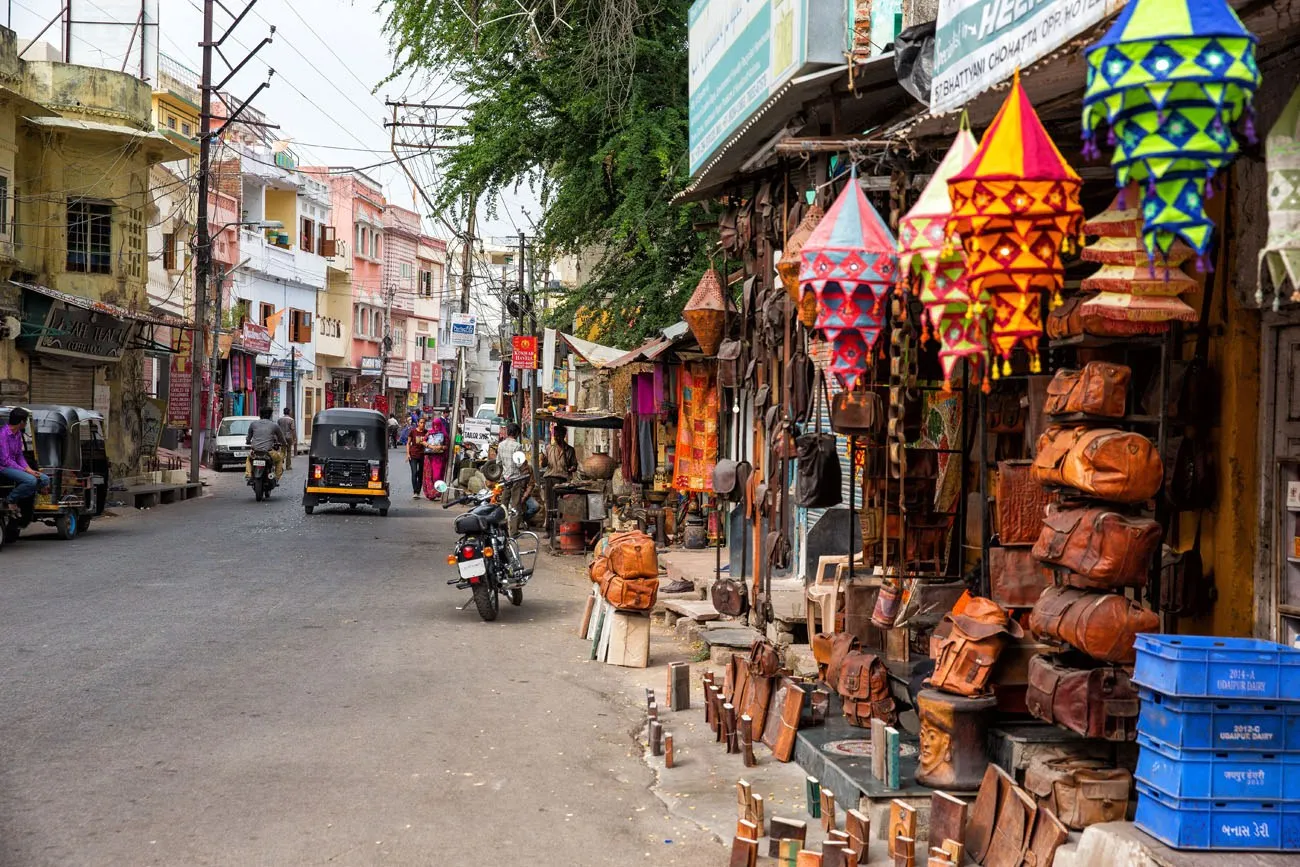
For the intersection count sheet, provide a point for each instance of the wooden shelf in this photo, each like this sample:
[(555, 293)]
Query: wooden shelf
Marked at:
[(1288, 610), (1089, 341)]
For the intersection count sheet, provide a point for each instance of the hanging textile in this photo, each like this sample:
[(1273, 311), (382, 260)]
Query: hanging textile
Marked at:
[(697, 428), (1280, 258), (1171, 78)]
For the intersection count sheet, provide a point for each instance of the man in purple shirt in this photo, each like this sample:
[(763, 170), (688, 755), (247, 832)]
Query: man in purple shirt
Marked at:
[(13, 462)]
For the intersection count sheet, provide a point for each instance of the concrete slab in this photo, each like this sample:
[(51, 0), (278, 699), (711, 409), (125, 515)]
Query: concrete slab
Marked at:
[(735, 637), (692, 608), (697, 566)]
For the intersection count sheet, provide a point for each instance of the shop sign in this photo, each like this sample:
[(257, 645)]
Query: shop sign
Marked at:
[(179, 391), (978, 43), (371, 365), (743, 51), (398, 383), (255, 338), (463, 328), (523, 352), (281, 369), (80, 333), (413, 400), (416, 381), (435, 374)]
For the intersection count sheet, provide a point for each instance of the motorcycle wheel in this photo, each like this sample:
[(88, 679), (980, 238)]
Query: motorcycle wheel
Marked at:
[(258, 491), (485, 600), (517, 596), (309, 509)]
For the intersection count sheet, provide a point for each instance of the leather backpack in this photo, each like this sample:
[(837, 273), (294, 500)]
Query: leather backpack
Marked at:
[(967, 655), (830, 649), (1119, 466), (1107, 549), (729, 597), (1102, 625), (857, 413), (863, 686), (1099, 389), (1092, 702), (1080, 791), (630, 594)]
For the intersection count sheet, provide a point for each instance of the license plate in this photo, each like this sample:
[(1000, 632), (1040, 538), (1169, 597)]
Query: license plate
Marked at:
[(240, 454), (259, 463), (472, 568)]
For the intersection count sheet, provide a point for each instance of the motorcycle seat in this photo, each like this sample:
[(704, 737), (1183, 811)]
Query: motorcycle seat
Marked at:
[(490, 513)]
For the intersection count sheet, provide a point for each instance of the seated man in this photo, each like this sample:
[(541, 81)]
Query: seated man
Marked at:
[(13, 461), (265, 435), (528, 493)]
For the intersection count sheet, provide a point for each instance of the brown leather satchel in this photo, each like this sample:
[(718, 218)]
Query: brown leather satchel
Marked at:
[(829, 649), (1016, 577), (1019, 503), (967, 655), (856, 413), (729, 597), (1067, 320), (1099, 544), (1080, 791), (764, 661), (731, 363), (1099, 389), (632, 555), (1093, 702), (631, 594), (1115, 465), (864, 690), (1102, 625)]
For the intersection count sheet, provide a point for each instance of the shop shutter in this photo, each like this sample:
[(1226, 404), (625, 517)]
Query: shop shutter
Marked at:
[(66, 386)]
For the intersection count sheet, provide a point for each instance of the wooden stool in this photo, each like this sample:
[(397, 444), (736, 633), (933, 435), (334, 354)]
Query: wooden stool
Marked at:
[(954, 739)]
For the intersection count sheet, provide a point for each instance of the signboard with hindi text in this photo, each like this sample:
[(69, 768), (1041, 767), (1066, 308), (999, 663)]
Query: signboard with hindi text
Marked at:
[(523, 352)]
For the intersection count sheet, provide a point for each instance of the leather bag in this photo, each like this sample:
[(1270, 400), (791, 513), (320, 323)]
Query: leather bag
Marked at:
[(632, 554), (863, 686), (857, 413), (1016, 577), (803, 378), (1093, 702), (630, 594), (984, 812), (1099, 545), (731, 363), (1114, 465), (1067, 320), (968, 654), (1099, 389), (830, 649), (729, 597), (817, 481), (1080, 791), (1102, 625), (730, 478), (764, 661), (1019, 504)]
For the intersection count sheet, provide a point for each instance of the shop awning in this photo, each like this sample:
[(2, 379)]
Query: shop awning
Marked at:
[(103, 307), (601, 420), (652, 349), (595, 354)]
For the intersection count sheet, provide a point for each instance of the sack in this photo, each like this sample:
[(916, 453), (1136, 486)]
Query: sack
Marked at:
[(863, 686), (1080, 791), (1016, 578), (1019, 504), (632, 555), (856, 413), (967, 655), (764, 661), (729, 597), (830, 650), (1102, 625), (731, 363), (1099, 389), (1109, 464), (1099, 544), (1096, 702), (888, 602), (630, 594)]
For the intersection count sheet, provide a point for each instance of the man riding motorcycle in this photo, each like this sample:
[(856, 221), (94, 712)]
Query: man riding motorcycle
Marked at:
[(265, 435)]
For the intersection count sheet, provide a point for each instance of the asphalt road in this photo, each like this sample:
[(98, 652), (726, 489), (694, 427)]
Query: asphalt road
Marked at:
[(227, 682)]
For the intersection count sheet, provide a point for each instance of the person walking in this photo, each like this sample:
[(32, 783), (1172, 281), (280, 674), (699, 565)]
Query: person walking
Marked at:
[(415, 456), (290, 431), (435, 455)]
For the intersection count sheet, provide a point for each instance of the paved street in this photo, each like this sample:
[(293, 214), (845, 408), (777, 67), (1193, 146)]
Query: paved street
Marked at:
[(226, 682)]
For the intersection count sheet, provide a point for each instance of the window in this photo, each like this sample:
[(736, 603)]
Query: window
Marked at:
[(265, 312), (365, 322), (90, 237), (399, 342), (406, 270), (299, 326), (374, 245), (348, 438), (171, 121), (187, 130), (169, 251), (307, 238), (426, 284), (4, 203), (356, 239), (327, 246)]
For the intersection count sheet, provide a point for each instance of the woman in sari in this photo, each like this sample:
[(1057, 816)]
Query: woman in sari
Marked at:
[(438, 442)]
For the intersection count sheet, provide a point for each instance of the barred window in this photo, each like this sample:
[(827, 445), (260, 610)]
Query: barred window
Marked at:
[(90, 237)]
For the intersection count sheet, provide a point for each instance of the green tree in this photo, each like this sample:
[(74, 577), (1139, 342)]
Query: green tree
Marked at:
[(587, 100)]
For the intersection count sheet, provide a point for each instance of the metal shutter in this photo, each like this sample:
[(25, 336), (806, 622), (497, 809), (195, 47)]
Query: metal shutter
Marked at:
[(66, 386)]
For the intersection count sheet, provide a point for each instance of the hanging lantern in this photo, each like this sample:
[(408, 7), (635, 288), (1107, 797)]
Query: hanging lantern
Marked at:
[(1015, 206), (935, 269), (849, 262), (706, 312), (788, 267), (1171, 77), (1280, 258)]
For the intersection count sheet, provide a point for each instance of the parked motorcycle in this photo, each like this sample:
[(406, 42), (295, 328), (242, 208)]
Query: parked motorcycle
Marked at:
[(262, 480), (488, 559)]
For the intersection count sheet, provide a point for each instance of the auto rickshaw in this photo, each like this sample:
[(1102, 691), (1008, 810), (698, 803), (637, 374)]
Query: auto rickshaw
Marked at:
[(67, 444), (348, 461)]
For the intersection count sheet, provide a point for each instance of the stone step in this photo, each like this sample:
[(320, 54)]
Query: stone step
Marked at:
[(696, 609)]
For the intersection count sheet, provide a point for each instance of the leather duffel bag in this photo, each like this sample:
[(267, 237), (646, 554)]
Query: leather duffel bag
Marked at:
[(632, 555), (1102, 625), (1093, 702), (630, 594), (1115, 465), (1100, 389), (1019, 503), (864, 690), (965, 657), (1080, 791), (1099, 544)]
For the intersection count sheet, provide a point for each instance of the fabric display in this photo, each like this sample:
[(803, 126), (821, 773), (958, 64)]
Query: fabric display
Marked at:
[(1280, 258), (697, 428), (1171, 78), (1015, 207)]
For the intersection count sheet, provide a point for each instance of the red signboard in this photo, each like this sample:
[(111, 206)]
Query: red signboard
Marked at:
[(179, 391), (435, 373), (255, 338), (524, 355), (416, 384)]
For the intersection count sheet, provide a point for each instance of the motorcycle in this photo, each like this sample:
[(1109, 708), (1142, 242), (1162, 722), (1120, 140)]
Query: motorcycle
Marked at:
[(487, 557), (262, 480)]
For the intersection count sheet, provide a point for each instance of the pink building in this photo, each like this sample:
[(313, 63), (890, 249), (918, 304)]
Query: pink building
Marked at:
[(401, 277)]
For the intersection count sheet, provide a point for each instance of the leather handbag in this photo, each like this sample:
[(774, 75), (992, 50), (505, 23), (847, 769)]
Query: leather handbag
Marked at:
[(967, 655), (1016, 577), (1092, 702), (764, 661), (730, 478), (803, 378), (731, 363), (817, 481), (1080, 791), (830, 650), (1019, 504), (1099, 545), (1102, 625), (857, 413), (1067, 320), (1109, 464), (1099, 389), (729, 597), (632, 554), (630, 594), (863, 686)]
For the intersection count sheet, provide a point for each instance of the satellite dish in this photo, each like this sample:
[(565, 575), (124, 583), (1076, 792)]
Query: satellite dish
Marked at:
[(11, 328)]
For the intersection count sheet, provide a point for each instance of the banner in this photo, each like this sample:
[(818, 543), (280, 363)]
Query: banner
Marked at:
[(463, 328), (179, 391), (523, 352)]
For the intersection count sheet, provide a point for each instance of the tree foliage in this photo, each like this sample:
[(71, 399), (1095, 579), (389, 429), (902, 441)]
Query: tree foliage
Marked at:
[(588, 99)]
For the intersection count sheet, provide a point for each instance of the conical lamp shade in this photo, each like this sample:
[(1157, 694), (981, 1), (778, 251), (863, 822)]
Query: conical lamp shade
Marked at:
[(706, 312)]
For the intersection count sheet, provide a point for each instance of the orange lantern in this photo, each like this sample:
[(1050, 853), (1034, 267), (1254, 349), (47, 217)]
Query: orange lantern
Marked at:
[(706, 312)]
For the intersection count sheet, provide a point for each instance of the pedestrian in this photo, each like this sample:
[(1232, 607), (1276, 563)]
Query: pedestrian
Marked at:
[(392, 431), (415, 456), (438, 443), (13, 461), (561, 462), (290, 431), (508, 445)]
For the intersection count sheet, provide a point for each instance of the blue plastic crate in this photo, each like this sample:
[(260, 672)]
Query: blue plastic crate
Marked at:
[(1195, 666), (1217, 724), (1245, 776), (1261, 826)]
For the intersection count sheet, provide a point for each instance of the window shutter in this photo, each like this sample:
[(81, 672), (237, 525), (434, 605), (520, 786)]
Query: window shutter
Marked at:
[(328, 246)]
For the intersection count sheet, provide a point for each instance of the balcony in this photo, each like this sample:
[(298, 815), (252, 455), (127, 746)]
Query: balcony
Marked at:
[(286, 263)]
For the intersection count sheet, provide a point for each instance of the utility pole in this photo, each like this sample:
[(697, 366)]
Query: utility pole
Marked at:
[(466, 276), (523, 302)]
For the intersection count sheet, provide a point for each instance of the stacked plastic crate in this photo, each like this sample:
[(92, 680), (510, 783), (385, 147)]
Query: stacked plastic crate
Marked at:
[(1219, 738)]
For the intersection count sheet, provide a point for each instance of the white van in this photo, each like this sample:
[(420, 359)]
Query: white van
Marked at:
[(231, 449)]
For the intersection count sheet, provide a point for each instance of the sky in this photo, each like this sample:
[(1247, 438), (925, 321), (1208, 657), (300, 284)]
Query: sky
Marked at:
[(328, 56)]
